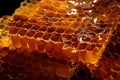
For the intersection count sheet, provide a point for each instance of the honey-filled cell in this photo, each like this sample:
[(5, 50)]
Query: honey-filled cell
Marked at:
[(19, 24), (60, 30), (22, 32), (27, 25), (51, 29), (90, 47), (16, 41), (43, 28), (55, 37), (32, 44), (13, 30), (38, 35), (41, 46), (46, 36), (82, 46), (30, 33), (35, 27), (22, 18)]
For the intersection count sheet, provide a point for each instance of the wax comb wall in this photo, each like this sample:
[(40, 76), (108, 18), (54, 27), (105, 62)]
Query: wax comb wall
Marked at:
[(64, 40)]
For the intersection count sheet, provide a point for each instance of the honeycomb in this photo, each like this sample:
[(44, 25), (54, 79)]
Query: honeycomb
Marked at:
[(27, 7), (65, 40), (109, 66), (5, 40), (63, 31)]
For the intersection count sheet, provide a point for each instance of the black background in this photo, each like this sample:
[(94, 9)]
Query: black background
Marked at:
[(7, 7)]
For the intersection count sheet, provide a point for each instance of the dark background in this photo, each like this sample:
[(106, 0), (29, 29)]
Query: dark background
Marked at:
[(7, 7)]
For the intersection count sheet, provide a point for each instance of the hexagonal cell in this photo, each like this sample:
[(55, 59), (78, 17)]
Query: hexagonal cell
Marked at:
[(27, 25), (53, 19), (20, 17), (74, 45), (69, 31), (74, 24), (13, 30), (43, 5), (40, 11), (67, 44), (55, 37), (49, 14), (12, 23), (43, 28), (51, 29), (41, 45), (86, 39), (19, 24), (46, 36), (60, 30), (2, 26), (82, 55), (43, 19), (30, 33), (66, 37), (35, 27), (90, 47), (48, 24), (58, 15), (50, 47), (82, 46), (74, 38), (38, 35), (32, 42), (21, 32), (66, 23), (59, 23), (94, 40)]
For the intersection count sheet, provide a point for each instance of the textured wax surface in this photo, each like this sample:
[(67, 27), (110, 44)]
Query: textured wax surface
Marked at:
[(67, 39)]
